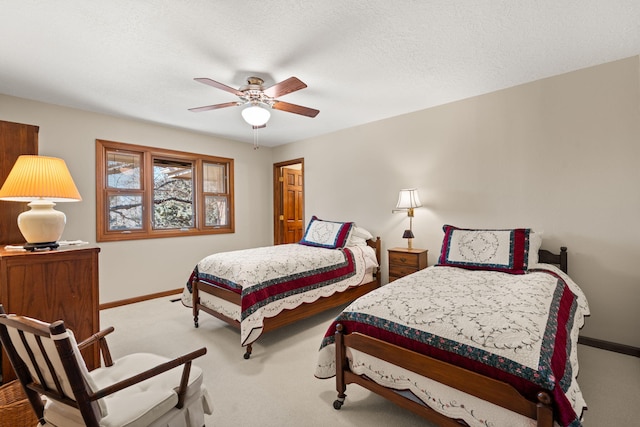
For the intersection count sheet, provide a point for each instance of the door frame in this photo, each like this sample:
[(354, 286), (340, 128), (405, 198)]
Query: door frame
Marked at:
[(278, 202)]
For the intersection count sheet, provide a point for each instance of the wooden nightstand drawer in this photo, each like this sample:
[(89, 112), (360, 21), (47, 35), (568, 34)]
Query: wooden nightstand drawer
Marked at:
[(404, 261), (399, 271)]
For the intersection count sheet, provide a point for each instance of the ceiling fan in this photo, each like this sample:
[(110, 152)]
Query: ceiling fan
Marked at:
[(259, 99)]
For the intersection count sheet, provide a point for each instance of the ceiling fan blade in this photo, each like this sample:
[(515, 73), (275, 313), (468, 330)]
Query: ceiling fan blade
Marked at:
[(292, 84), (297, 109), (214, 107), (218, 85)]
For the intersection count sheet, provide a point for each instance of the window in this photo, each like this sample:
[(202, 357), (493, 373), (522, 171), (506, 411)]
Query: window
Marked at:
[(145, 192)]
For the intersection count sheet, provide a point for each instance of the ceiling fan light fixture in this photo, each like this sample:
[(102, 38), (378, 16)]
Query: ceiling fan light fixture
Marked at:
[(256, 115)]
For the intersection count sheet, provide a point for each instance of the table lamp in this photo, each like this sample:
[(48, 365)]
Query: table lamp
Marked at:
[(408, 200), (42, 181)]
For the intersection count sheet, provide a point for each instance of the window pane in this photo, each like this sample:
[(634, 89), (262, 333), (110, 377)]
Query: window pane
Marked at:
[(216, 211), (214, 178), (172, 194), (123, 170), (125, 212), (146, 192)]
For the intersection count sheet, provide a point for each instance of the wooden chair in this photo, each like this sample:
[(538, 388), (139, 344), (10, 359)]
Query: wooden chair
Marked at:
[(139, 389)]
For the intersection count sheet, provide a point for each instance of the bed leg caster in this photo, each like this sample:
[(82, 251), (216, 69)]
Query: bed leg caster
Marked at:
[(247, 353), (337, 404), (195, 322)]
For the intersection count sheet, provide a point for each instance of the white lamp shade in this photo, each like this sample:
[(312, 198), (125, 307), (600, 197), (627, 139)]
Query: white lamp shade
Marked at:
[(408, 199), (256, 115)]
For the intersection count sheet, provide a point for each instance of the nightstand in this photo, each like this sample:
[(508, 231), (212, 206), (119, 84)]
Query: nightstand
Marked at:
[(403, 261)]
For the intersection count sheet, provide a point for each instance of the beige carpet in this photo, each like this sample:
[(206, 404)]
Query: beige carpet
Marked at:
[(276, 386)]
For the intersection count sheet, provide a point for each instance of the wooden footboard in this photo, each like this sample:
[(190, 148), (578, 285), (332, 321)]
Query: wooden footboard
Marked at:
[(464, 380), (198, 287), (288, 316)]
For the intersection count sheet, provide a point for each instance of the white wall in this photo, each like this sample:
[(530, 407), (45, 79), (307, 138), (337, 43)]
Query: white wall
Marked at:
[(560, 155), (135, 268)]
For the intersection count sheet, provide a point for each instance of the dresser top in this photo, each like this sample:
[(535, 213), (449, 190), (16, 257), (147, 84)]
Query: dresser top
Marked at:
[(407, 250), (61, 250)]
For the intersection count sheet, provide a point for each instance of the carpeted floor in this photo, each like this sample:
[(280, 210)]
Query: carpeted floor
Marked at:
[(276, 386)]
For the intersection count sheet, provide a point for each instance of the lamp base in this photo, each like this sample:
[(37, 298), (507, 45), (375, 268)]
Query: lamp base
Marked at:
[(41, 225), (40, 246)]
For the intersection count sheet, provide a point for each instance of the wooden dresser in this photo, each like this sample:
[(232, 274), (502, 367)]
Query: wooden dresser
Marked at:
[(61, 284), (404, 261)]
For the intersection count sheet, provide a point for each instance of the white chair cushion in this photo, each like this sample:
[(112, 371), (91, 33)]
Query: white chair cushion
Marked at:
[(136, 406)]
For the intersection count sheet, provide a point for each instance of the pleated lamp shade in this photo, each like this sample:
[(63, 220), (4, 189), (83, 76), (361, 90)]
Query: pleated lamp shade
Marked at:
[(39, 177)]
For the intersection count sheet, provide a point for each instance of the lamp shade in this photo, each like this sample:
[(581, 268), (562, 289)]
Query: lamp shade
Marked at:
[(408, 199), (39, 178), (42, 181), (256, 115)]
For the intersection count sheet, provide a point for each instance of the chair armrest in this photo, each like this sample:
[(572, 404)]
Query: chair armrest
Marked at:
[(99, 337), (95, 337), (163, 367)]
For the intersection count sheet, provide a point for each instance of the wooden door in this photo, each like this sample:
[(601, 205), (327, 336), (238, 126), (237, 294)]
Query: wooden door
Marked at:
[(15, 139), (288, 201), (293, 222)]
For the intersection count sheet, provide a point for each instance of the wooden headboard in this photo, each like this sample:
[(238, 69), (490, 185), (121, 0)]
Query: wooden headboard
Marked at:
[(560, 259), (377, 246)]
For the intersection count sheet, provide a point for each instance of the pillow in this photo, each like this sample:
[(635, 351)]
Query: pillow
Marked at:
[(326, 234), (535, 242), (358, 236), (496, 250)]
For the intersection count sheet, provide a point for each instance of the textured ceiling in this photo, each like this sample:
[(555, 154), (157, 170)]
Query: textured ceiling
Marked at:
[(362, 60)]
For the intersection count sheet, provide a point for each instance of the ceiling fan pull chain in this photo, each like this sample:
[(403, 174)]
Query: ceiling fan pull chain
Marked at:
[(255, 138)]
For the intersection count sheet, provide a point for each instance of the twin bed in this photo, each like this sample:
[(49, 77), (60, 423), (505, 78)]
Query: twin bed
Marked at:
[(262, 289), (488, 337)]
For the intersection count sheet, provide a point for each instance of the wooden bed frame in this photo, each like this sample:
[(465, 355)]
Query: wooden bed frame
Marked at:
[(485, 388), (286, 317)]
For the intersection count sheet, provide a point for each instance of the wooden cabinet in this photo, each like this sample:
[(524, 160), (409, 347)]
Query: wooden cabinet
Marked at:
[(61, 284), (15, 139), (404, 261)]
